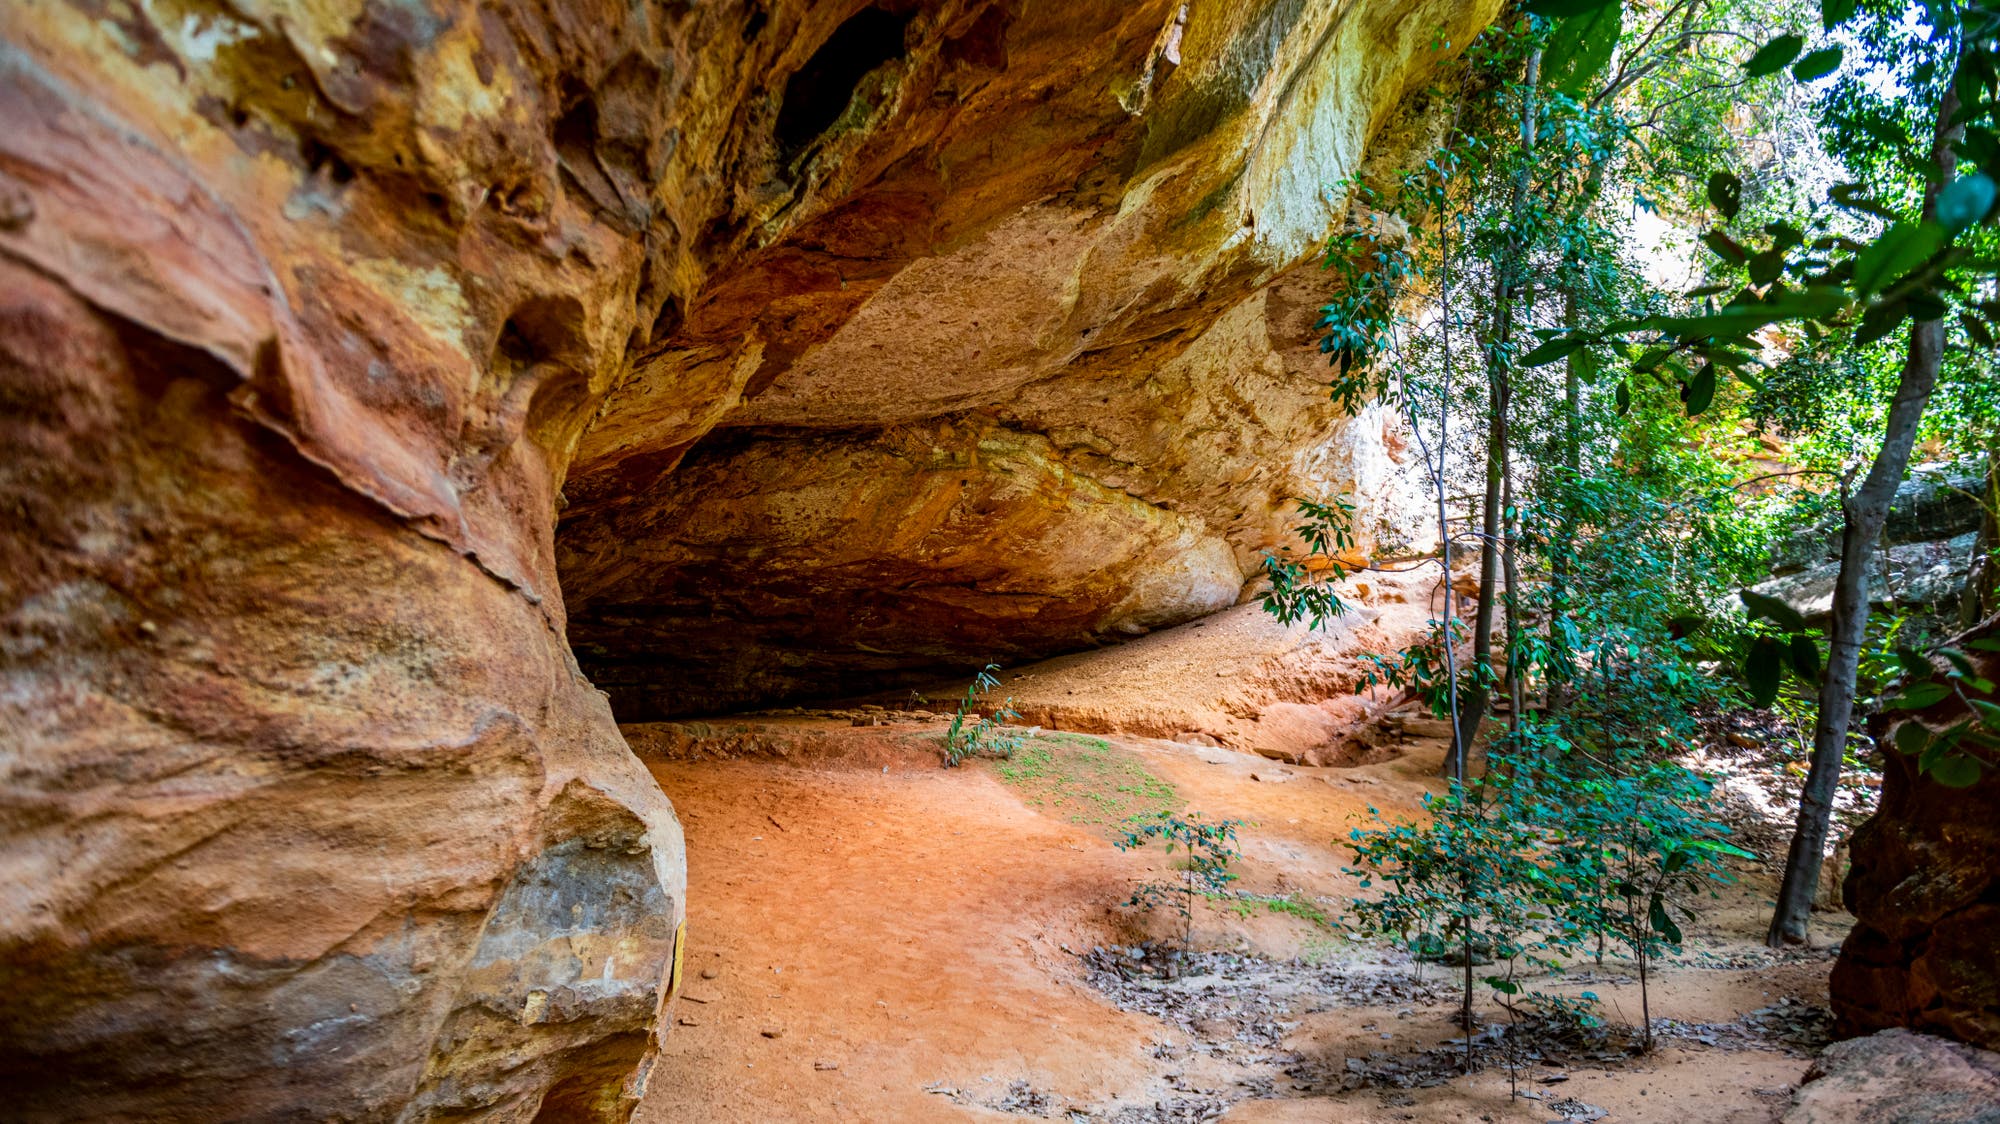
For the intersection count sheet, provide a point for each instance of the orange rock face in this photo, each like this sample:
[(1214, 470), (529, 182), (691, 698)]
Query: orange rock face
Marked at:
[(1925, 893), (314, 318), (309, 813)]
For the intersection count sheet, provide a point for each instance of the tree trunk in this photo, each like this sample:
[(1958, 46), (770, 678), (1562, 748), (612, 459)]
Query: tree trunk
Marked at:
[(1473, 700), (1478, 692), (1982, 582), (1454, 762), (1563, 545), (1866, 510), (1509, 540)]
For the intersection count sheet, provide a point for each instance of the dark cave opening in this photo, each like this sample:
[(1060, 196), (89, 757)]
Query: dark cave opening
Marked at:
[(819, 92)]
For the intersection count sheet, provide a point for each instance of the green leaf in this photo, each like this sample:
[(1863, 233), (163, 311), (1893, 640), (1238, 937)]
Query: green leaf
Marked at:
[(1733, 321), (1959, 770), (1912, 737), (1773, 610), (1701, 392), (1849, 194), (1879, 321), (1896, 251), (1817, 65), (1784, 235), (1773, 56), (1551, 351), (1581, 48), (1976, 330), (1815, 303), (1964, 201), (1833, 13), (1989, 714), (1763, 669), (1805, 658), (1725, 247), (1725, 190), (1623, 399), (1766, 265), (1920, 696), (1935, 750), (1718, 847), (1662, 923)]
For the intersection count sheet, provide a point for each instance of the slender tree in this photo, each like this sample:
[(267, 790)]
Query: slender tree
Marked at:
[(1865, 510), (1477, 696)]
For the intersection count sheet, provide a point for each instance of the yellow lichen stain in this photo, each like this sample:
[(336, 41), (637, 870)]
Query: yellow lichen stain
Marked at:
[(431, 297), (452, 95), (674, 974), (536, 1006)]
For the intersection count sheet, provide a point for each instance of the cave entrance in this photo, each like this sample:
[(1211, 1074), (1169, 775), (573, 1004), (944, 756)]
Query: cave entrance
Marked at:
[(820, 91)]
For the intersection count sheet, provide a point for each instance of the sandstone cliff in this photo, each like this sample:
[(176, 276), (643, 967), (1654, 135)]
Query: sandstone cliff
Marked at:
[(1010, 360), (313, 318), (1925, 893)]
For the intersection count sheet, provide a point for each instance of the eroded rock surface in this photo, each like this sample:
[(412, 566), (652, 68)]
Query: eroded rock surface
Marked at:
[(1930, 545), (1040, 379), (308, 812), (306, 315), (1925, 892), (1896, 1077)]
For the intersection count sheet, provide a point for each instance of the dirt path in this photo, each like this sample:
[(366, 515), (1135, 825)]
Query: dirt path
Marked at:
[(872, 937)]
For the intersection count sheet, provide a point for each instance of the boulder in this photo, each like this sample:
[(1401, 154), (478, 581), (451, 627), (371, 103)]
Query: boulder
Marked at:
[(1897, 1077), (1923, 887), (1937, 502), (1925, 576)]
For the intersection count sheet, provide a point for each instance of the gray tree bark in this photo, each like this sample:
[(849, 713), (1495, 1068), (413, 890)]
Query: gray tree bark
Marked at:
[(1478, 693), (1865, 510)]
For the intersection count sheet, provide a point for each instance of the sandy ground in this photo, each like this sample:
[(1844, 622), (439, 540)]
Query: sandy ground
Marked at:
[(873, 937), (1220, 675)]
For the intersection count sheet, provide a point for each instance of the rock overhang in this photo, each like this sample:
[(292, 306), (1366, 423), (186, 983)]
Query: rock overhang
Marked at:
[(1084, 287)]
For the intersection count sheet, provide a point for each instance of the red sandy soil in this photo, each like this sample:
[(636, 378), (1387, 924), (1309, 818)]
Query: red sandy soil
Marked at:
[(875, 938)]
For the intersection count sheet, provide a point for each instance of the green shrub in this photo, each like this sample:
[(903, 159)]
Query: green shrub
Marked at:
[(988, 734), (1210, 847)]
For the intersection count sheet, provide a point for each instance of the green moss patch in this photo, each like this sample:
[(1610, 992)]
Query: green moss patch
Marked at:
[(1086, 781)]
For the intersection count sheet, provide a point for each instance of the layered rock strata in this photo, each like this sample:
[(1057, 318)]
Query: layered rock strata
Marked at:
[(1925, 893), (308, 313), (1033, 381), (308, 811)]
